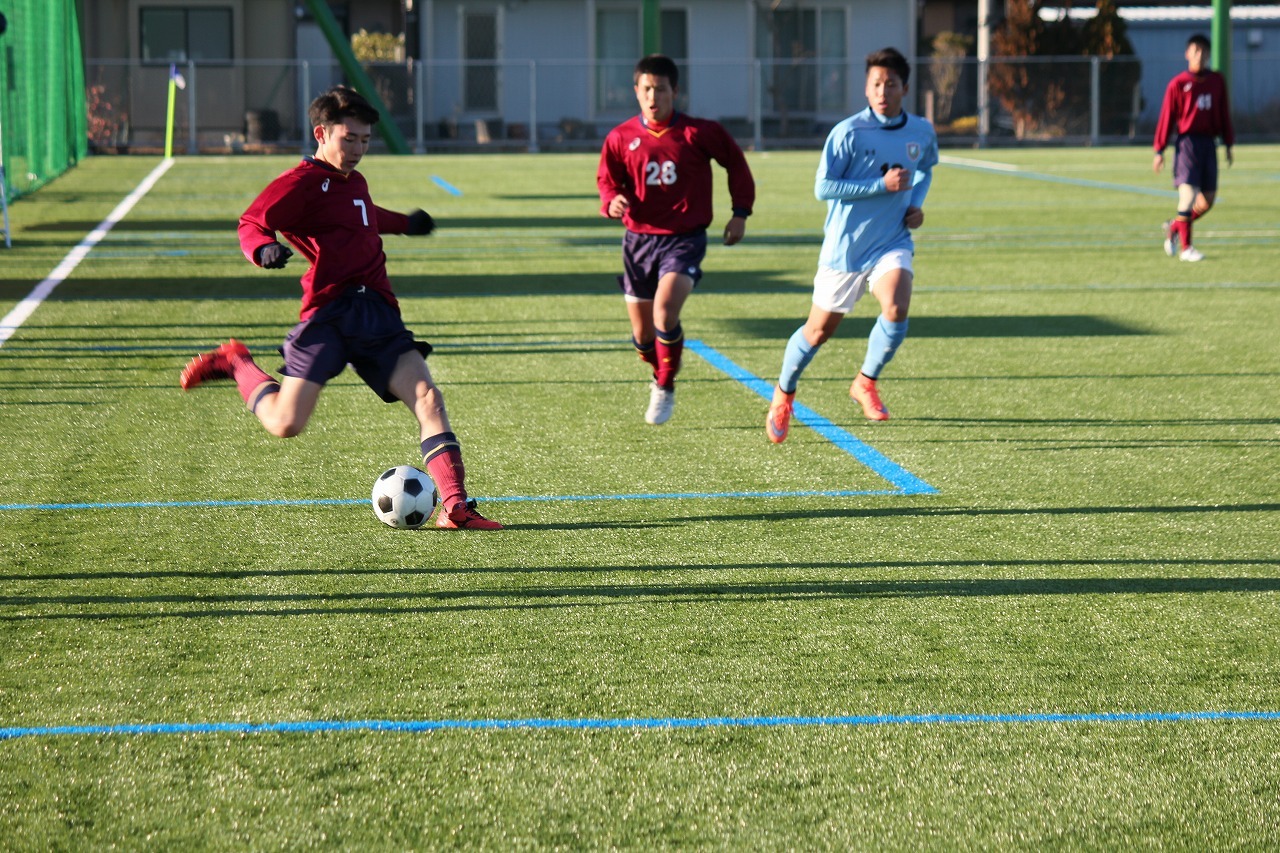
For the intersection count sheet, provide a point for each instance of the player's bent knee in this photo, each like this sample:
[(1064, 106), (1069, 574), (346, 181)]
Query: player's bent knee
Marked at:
[(817, 336), (284, 427), (287, 430)]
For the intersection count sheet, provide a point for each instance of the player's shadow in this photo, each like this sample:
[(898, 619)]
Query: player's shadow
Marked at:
[(79, 577), (283, 285), (206, 605), (859, 512), (964, 326), (132, 224)]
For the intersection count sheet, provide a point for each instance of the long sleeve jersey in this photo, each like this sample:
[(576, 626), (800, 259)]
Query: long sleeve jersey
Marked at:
[(665, 173), (1195, 103), (865, 220), (330, 219)]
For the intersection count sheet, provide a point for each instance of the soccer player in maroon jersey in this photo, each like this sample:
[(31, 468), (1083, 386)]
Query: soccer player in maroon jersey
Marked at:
[(349, 314), (655, 175), (1195, 108)]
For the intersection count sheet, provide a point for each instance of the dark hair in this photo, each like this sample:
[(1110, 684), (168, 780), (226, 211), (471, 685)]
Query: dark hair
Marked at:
[(341, 102), (1201, 42), (659, 66), (891, 59)]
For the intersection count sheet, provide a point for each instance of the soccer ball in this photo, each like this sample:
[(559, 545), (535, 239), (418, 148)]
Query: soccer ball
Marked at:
[(403, 497)]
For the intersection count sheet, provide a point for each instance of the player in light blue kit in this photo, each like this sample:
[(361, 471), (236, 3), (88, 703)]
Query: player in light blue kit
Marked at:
[(875, 172)]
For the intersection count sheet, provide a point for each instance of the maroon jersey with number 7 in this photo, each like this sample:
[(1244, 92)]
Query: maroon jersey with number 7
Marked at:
[(330, 219)]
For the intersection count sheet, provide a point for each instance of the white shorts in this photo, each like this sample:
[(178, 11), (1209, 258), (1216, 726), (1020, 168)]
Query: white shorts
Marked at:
[(838, 292)]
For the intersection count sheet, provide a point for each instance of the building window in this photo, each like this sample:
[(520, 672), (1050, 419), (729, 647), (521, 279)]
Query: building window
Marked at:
[(480, 50), (805, 52), (618, 47), (674, 32), (180, 35), (619, 42)]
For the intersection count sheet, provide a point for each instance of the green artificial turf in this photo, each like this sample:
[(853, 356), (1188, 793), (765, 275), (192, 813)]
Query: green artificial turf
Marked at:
[(1100, 424)]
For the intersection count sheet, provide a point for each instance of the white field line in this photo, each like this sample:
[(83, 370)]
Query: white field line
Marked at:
[(24, 309), (978, 164)]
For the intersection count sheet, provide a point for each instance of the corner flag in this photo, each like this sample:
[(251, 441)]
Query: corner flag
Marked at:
[(176, 81)]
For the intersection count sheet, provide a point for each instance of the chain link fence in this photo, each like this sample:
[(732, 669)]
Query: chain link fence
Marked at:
[(566, 105)]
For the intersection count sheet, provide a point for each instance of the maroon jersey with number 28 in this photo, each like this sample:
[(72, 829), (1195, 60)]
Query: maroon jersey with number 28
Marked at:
[(666, 173)]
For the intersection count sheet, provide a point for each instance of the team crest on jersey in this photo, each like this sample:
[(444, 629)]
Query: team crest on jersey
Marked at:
[(635, 143), (913, 150), (324, 188)]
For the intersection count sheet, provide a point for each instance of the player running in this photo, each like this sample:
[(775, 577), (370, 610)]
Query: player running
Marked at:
[(1195, 108), (349, 313), (655, 175), (874, 174)]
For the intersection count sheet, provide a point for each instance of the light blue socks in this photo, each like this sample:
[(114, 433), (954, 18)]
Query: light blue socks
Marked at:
[(797, 357), (885, 339)]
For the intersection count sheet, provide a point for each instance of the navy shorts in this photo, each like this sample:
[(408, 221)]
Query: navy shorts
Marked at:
[(1195, 162), (648, 257), (358, 328)]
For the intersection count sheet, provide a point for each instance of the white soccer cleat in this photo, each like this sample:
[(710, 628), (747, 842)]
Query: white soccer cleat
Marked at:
[(1171, 240), (661, 402), (1191, 253)]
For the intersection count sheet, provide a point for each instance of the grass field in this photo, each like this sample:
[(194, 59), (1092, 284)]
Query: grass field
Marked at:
[(1064, 636)]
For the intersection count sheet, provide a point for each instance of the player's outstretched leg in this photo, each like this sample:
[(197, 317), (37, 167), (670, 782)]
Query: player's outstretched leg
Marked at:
[(218, 364), (442, 458), (778, 421), (863, 391)]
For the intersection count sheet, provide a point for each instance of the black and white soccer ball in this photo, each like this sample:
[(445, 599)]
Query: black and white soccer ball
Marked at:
[(403, 497)]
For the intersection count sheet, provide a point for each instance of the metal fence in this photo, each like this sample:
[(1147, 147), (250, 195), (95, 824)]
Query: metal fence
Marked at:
[(550, 105)]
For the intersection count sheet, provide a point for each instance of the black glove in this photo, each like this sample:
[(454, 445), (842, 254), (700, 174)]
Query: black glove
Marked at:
[(420, 224), (274, 256)]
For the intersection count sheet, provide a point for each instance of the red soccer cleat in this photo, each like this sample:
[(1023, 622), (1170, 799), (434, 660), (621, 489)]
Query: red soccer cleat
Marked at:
[(778, 421), (863, 392), (213, 365), (463, 516)]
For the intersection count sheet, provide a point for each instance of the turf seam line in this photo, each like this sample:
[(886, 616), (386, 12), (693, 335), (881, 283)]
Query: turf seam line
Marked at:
[(633, 723), (900, 478), (24, 309)]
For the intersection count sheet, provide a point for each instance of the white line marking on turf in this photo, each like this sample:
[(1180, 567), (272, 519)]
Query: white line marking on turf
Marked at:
[(1019, 172), (977, 164), (24, 309)]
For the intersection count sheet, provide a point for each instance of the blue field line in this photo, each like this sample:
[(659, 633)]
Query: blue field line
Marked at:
[(903, 481), (633, 496), (631, 723), (1019, 172), (446, 186)]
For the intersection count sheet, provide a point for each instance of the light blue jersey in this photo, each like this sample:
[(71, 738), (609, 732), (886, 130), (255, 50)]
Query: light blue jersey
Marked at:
[(864, 220)]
